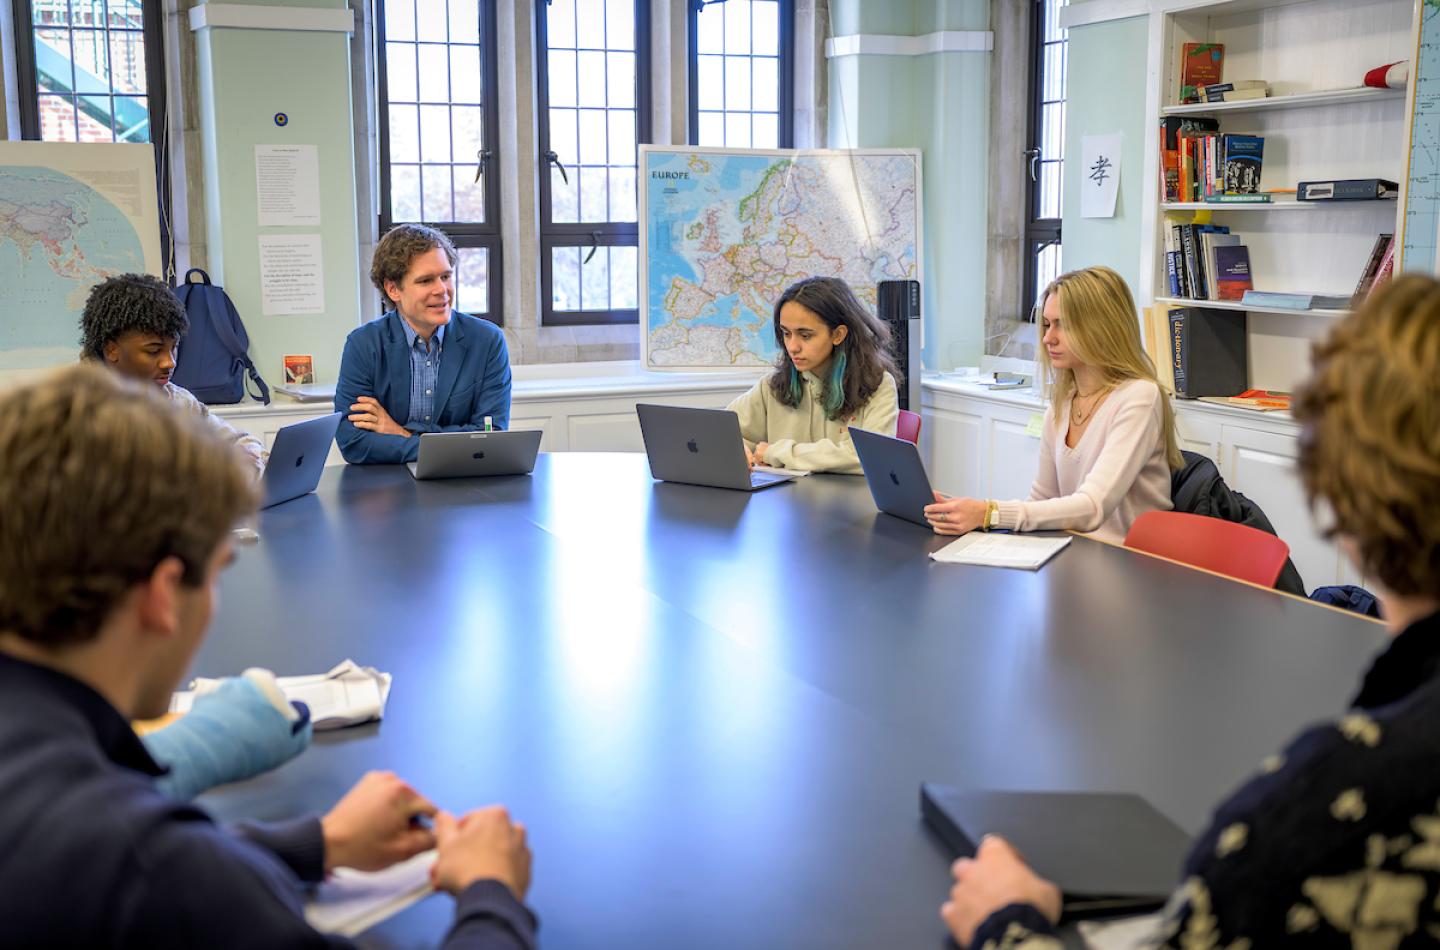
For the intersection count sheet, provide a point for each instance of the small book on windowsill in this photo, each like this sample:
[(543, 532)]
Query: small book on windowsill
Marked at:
[(1260, 400)]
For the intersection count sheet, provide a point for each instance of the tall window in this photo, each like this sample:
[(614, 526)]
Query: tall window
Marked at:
[(94, 71), (438, 131), (742, 85), (1045, 159), (594, 98)]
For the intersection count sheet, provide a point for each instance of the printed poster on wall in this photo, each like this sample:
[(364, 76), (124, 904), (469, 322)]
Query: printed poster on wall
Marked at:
[(1100, 174)]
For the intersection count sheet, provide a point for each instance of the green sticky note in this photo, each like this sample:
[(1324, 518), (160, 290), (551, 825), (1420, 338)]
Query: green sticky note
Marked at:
[(1036, 426)]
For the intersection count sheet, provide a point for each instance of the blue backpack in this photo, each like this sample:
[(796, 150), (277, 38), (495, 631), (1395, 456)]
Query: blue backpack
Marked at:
[(214, 356)]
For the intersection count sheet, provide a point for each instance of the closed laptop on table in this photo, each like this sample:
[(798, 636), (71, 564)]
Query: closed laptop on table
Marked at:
[(476, 454), (700, 447), (1110, 854)]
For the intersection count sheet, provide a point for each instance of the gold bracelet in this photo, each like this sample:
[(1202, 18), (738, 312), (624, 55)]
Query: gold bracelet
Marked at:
[(992, 508)]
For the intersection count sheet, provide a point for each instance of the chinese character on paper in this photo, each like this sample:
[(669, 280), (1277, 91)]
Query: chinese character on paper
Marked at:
[(1100, 171)]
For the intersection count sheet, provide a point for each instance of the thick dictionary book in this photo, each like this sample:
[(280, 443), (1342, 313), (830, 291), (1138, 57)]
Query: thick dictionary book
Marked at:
[(1208, 352), (1108, 853)]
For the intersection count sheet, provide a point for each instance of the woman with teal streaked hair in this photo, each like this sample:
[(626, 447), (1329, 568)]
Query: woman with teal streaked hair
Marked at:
[(834, 371)]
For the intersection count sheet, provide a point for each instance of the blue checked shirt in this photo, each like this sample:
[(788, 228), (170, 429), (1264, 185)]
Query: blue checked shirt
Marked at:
[(424, 371)]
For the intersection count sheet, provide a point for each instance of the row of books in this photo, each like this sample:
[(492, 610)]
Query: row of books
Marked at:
[(1206, 262), (1198, 162)]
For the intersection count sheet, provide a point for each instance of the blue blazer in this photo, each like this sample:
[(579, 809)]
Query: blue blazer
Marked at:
[(474, 382)]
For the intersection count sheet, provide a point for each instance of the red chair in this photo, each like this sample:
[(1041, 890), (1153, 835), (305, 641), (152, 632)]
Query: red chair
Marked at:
[(908, 426), (1235, 550)]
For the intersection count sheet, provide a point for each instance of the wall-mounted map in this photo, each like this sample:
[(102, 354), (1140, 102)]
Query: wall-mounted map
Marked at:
[(71, 215), (723, 232)]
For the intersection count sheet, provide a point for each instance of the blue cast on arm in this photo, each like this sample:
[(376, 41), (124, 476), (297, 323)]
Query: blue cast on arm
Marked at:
[(230, 734)]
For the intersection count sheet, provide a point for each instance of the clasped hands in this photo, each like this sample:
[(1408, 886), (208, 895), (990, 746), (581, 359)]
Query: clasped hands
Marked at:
[(378, 824), (367, 413), (756, 456)]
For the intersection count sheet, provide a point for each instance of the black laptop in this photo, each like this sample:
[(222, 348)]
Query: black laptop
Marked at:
[(895, 474), (297, 459)]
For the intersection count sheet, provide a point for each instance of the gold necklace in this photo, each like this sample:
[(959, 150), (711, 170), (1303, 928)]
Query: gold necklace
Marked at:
[(1078, 418)]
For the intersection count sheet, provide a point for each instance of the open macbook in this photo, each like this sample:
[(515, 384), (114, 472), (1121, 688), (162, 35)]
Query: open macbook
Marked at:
[(297, 459), (700, 447), (895, 474), (476, 454)]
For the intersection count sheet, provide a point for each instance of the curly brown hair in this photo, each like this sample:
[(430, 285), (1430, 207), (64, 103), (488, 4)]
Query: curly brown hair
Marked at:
[(401, 245), (1370, 446), (103, 479), (865, 349)]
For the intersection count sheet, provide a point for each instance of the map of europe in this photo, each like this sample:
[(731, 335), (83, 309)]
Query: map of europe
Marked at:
[(723, 233), (58, 238)]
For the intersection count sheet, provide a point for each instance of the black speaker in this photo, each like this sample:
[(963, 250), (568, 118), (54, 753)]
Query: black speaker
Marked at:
[(898, 305)]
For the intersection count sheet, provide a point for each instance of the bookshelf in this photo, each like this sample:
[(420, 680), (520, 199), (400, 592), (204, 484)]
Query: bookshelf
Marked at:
[(1318, 124)]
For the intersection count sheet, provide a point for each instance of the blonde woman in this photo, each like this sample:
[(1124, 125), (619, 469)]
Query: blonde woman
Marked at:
[(1108, 445)]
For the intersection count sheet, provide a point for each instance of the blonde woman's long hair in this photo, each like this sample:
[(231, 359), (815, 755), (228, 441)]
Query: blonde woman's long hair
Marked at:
[(1102, 331)]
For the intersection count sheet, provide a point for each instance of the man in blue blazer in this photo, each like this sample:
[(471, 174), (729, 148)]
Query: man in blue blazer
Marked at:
[(422, 367)]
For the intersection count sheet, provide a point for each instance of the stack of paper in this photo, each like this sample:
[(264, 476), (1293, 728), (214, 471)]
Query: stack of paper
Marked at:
[(1001, 550), (350, 902), (346, 696)]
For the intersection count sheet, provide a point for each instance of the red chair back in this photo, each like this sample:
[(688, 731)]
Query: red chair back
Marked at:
[(1224, 547), (908, 426)]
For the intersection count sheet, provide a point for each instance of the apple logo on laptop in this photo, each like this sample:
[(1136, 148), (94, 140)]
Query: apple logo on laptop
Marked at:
[(300, 461), (693, 447), (894, 479), (478, 455)]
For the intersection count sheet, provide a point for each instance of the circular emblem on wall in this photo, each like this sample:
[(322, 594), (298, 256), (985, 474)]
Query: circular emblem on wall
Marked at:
[(281, 119)]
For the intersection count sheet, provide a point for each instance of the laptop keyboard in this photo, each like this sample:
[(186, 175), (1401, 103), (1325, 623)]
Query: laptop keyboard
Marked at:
[(764, 478)]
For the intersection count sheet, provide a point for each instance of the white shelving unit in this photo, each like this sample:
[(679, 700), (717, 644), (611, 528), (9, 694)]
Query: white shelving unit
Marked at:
[(1235, 305), (1318, 124)]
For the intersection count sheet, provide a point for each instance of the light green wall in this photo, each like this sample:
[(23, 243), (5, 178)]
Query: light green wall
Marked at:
[(938, 103), (246, 76), (1105, 92)]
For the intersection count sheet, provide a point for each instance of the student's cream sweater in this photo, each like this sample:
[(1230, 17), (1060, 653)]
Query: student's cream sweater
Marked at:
[(804, 438)]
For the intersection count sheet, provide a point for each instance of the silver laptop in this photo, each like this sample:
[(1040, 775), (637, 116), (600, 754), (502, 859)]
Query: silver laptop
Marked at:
[(297, 459), (476, 454), (895, 474), (700, 447)]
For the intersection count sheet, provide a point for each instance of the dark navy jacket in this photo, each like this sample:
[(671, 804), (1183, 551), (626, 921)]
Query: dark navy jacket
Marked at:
[(93, 855), (474, 383)]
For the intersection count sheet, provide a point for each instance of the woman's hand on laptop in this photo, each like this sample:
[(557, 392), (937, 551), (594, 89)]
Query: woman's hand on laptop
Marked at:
[(992, 880), (955, 515), (756, 456)]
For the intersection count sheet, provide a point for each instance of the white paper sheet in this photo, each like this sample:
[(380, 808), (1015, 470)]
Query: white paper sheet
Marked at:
[(1001, 550), (287, 185), (348, 695), (1100, 174), (292, 275), (351, 902)]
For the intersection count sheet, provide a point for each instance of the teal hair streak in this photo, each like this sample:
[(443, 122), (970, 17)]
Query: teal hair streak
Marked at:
[(796, 385), (835, 388)]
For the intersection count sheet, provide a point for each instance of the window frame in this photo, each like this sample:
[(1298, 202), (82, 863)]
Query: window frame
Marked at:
[(554, 234), (28, 93), (786, 67), (466, 234), (1039, 232)]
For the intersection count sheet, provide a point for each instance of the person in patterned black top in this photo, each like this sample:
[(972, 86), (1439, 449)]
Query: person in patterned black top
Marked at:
[(1336, 842)]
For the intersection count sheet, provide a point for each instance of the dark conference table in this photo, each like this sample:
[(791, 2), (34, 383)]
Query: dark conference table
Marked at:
[(713, 709)]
